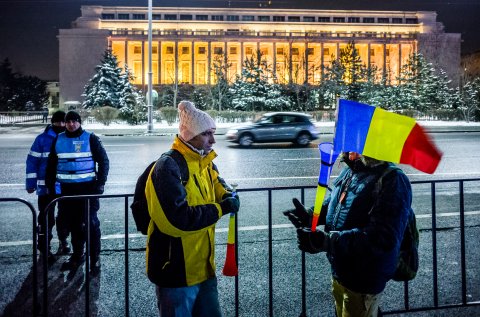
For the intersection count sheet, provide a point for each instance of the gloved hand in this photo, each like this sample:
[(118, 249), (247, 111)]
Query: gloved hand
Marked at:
[(230, 204), (300, 216), (312, 241), (99, 189)]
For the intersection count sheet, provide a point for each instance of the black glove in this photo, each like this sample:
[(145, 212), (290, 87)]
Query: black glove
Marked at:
[(312, 241), (300, 216), (99, 189), (230, 204)]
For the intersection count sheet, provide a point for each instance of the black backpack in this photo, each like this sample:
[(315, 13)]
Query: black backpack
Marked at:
[(407, 265), (139, 205)]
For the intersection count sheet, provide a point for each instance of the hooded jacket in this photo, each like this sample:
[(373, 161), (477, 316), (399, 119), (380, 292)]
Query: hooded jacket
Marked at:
[(181, 234), (366, 227)]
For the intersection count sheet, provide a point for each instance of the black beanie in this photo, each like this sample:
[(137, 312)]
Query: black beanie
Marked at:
[(58, 116), (74, 116)]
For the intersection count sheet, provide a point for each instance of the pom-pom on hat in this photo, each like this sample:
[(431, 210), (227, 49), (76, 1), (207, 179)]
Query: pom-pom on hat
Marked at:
[(74, 116), (193, 121), (58, 116)]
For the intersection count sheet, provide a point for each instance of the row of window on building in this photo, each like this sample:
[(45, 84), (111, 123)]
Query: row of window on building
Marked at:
[(262, 18)]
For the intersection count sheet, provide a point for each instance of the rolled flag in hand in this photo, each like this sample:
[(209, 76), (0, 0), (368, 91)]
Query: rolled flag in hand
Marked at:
[(327, 159)]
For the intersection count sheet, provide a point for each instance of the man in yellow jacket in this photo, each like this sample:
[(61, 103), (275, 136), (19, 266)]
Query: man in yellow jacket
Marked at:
[(181, 234)]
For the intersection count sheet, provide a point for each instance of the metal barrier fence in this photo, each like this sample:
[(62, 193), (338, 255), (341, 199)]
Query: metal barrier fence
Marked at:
[(269, 191)]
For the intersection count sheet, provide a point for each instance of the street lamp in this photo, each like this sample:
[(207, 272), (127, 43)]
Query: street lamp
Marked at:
[(150, 74)]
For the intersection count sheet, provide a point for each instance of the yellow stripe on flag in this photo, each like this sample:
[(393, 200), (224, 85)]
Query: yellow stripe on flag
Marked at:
[(386, 136), (231, 229)]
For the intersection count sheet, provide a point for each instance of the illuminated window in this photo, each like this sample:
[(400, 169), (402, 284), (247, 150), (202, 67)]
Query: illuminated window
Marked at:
[(201, 73), (217, 50), (310, 51), (372, 52), (185, 50), (326, 51), (154, 49), (295, 51), (169, 50), (202, 50), (137, 49), (280, 51), (248, 50), (233, 50)]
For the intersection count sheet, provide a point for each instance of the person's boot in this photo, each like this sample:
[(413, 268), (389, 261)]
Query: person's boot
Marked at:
[(94, 265), (73, 263), (63, 248)]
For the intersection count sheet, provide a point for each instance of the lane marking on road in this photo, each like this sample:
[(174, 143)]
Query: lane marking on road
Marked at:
[(221, 230)]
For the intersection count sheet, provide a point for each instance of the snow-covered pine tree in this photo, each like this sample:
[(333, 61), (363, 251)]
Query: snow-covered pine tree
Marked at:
[(132, 103), (104, 88)]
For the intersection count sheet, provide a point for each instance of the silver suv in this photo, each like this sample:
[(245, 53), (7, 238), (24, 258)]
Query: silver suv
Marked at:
[(276, 127)]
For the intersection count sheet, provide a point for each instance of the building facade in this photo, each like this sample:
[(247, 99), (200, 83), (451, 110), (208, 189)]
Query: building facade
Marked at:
[(297, 44)]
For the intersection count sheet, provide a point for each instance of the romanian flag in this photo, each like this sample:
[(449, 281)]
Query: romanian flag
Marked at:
[(384, 136)]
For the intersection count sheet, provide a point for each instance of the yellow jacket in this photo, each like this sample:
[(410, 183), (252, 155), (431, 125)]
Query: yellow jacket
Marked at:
[(181, 234)]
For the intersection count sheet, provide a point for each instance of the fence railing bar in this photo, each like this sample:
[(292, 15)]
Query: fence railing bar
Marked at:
[(87, 259), (127, 281), (304, 271), (434, 246), (462, 241), (270, 254)]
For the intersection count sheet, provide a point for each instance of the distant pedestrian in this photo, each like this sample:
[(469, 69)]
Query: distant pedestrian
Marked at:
[(35, 181), (44, 114), (79, 162)]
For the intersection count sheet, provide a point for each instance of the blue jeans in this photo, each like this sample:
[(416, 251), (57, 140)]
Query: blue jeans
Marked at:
[(199, 300)]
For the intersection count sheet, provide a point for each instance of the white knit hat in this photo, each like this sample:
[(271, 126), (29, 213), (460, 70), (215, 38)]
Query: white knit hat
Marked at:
[(193, 121)]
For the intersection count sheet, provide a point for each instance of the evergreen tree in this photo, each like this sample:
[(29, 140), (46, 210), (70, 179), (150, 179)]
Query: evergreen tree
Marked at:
[(131, 102), (220, 91), (249, 91), (18, 91), (106, 85)]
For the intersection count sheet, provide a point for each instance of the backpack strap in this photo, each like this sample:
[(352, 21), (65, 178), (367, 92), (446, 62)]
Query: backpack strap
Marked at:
[(181, 162)]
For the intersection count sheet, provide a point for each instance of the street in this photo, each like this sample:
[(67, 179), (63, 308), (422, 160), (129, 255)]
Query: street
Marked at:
[(261, 166)]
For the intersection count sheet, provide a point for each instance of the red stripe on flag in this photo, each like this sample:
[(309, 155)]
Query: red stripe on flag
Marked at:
[(420, 152)]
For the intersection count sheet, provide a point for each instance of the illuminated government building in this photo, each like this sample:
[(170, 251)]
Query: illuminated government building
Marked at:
[(296, 43)]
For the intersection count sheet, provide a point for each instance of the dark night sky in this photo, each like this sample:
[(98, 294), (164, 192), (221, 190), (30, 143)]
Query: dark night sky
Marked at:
[(28, 28)]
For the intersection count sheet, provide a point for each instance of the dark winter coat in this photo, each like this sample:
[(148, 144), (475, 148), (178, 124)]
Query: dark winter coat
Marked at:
[(364, 255), (100, 158), (37, 162)]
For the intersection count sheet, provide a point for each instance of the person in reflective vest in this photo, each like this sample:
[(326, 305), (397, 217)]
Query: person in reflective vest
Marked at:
[(79, 162), (36, 167)]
